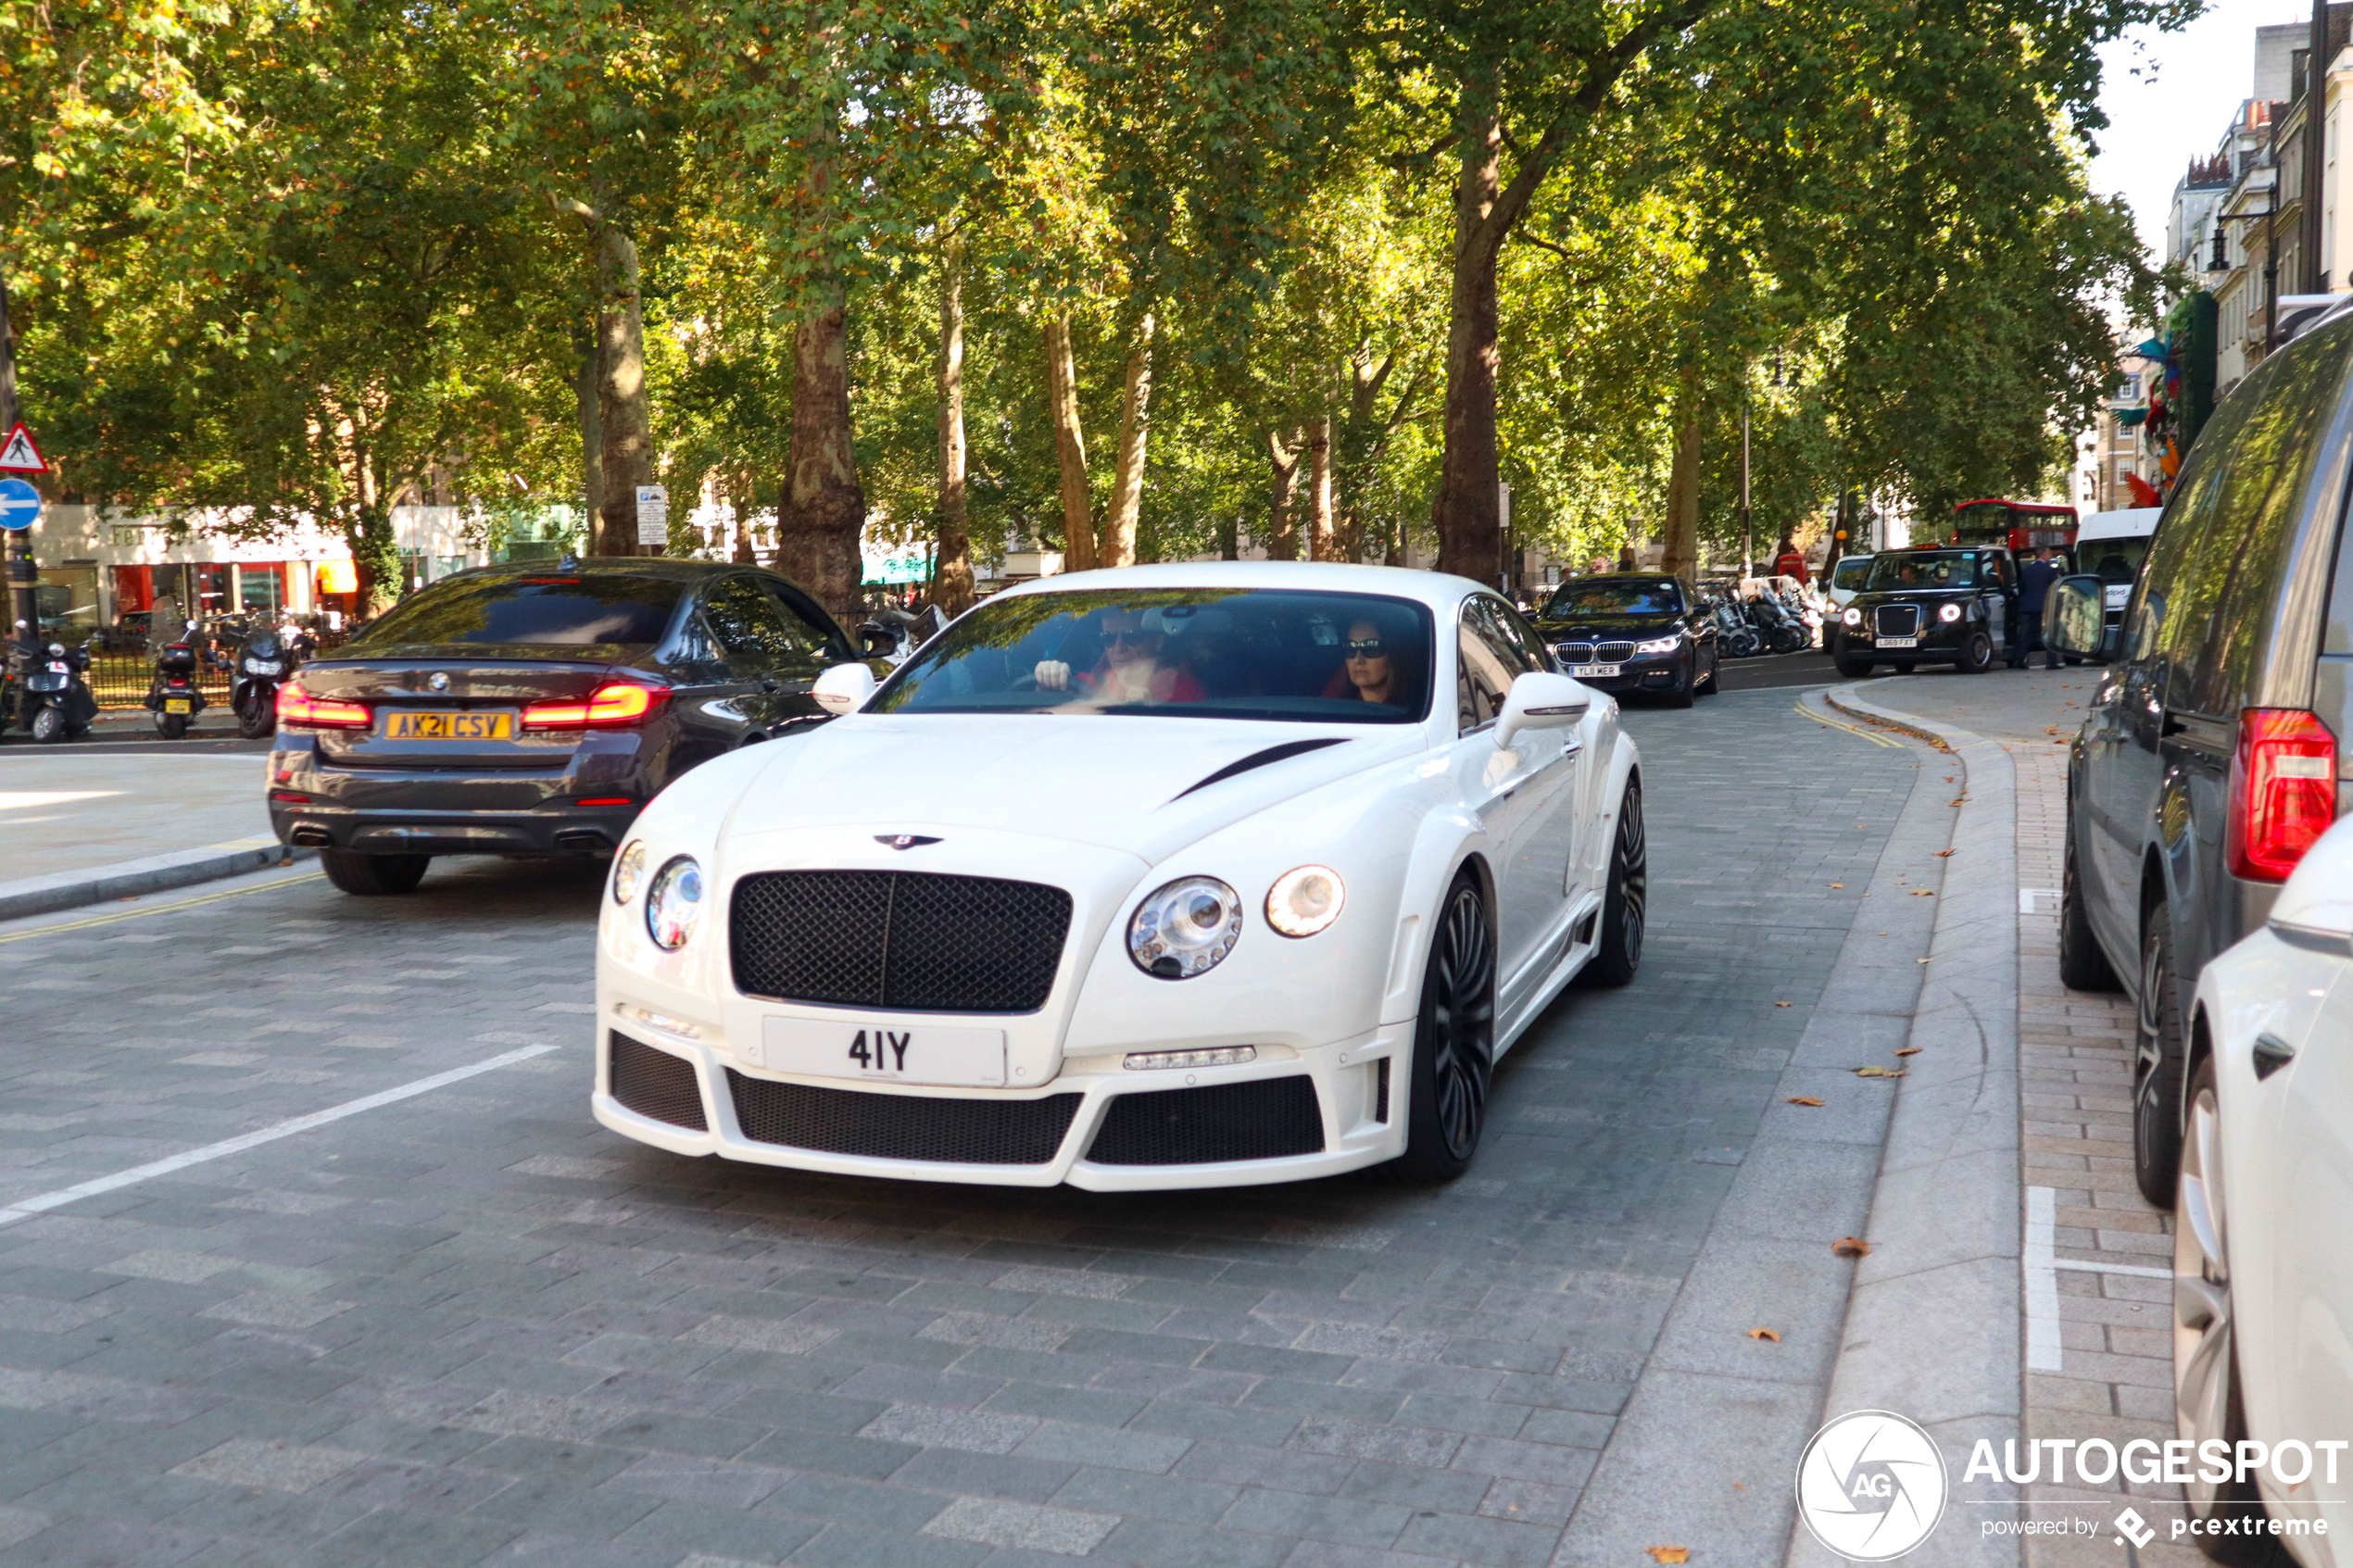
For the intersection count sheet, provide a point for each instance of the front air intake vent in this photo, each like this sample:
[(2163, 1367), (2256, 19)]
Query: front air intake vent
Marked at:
[(915, 940), (654, 1082), (1267, 1119), (959, 1132)]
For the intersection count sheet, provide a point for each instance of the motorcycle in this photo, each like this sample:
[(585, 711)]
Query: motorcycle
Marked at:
[(49, 697), (1735, 637), (1781, 627), (264, 663), (174, 697)]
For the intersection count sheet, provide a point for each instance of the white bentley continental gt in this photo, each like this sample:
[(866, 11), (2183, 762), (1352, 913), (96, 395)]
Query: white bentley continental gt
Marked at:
[(1171, 876)]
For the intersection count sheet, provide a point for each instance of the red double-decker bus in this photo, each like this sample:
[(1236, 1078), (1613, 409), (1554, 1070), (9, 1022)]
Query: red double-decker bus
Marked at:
[(2021, 525)]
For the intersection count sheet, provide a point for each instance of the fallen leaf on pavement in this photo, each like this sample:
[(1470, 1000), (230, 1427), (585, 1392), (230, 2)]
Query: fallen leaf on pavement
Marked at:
[(1801, 1100), (1838, 885), (1923, 893), (1851, 1247), (1780, 1004), (1909, 1050), (1878, 1073), (1772, 1333), (1941, 854), (1669, 1553)]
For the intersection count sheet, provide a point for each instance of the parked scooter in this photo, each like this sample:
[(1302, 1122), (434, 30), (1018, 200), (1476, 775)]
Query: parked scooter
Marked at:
[(174, 697), (264, 664), (1735, 637), (46, 693)]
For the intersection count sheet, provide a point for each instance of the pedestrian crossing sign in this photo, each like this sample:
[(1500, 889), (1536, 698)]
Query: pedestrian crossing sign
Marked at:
[(19, 455)]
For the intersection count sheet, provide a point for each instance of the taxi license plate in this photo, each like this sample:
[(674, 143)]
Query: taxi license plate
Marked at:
[(1600, 671), (450, 726), (1899, 642), (178, 705), (898, 1050)]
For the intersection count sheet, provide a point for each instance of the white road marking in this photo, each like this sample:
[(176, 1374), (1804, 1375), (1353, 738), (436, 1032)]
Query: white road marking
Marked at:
[(2137, 1270), (2042, 1281), (2026, 897), (26, 1208), (25, 800)]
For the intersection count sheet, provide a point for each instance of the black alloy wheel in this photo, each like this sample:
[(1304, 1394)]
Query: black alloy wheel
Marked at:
[(2157, 1066), (1453, 1062), (374, 876), (2082, 966), (1976, 655), (1626, 901)]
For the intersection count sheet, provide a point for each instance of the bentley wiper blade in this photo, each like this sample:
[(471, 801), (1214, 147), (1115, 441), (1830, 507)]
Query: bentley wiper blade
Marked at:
[(1260, 760)]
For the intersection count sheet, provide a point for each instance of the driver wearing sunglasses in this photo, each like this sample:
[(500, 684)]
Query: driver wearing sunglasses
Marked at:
[(1129, 670)]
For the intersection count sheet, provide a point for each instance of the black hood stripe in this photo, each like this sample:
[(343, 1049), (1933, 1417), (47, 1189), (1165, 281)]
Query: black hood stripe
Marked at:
[(1260, 760)]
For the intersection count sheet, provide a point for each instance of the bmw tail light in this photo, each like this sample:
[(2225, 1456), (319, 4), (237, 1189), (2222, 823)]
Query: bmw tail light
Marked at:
[(611, 705), (298, 707), (2283, 791)]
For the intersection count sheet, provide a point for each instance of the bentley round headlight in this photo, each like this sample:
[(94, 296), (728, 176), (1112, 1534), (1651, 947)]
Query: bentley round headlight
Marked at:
[(674, 903), (1949, 612), (1185, 928), (1852, 617), (1305, 900), (628, 872)]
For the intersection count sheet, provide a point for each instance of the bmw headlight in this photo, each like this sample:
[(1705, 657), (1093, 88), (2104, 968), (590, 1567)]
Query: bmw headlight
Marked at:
[(1852, 617), (1305, 900), (628, 872), (1949, 613), (1185, 928), (673, 904), (1659, 644)]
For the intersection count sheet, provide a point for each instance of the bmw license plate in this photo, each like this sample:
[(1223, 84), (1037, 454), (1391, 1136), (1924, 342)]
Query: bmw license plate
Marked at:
[(178, 705), (897, 1051), (1899, 642), (450, 726), (1600, 671)]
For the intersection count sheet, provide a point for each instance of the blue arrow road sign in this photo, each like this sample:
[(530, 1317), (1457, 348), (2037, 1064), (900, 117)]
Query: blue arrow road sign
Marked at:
[(19, 504)]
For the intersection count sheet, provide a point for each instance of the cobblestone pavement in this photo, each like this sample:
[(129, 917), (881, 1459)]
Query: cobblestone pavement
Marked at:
[(469, 1325)]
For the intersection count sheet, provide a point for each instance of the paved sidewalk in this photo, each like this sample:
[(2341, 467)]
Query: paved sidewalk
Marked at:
[(82, 824)]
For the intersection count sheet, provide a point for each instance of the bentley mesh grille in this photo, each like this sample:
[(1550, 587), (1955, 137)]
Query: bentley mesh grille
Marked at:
[(653, 1083), (966, 1131), (898, 939), (1896, 621), (1266, 1119)]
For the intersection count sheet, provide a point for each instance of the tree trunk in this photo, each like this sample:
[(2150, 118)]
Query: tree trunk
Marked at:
[(625, 424), (745, 554), (823, 511), (586, 396), (375, 552), (1466, 513), (1320, 543), (1681, 540), (1135, 425), (1282, 535), (1070, 449), (951, 572)]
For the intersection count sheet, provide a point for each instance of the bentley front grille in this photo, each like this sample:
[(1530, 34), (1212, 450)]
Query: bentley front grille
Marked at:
[(957, 1132), (898, 939), (1264, 1119), (654, 1082)]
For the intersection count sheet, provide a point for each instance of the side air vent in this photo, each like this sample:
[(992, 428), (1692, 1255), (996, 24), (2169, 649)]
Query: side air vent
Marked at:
[(1260, 760)]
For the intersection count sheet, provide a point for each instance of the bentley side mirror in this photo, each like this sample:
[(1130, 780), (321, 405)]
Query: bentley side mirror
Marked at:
[(844, 688), (2075, 619), (1540, 700)]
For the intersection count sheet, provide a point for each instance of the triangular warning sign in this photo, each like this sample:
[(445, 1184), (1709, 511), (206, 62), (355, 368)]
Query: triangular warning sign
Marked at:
[(19, 455)]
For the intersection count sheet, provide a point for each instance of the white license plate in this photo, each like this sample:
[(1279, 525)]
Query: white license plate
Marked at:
[(1598, 671), (1899, 642), (895, 1050)]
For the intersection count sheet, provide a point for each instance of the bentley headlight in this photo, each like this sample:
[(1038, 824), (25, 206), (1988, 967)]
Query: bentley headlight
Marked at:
[(1949, 613), (1185, 928), (1659, 644), (674, 903), (1305, 900), (628, 872), (1852, 617)]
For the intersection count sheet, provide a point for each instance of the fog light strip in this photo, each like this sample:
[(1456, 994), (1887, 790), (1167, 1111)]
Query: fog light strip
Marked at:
[(1222, 1056)]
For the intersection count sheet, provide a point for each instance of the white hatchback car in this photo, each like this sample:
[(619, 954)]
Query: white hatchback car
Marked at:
[(2263, 1220), (1171, 876)]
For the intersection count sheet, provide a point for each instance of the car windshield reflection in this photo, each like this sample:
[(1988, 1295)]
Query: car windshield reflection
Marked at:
[(1923, 569), (1321, 657)]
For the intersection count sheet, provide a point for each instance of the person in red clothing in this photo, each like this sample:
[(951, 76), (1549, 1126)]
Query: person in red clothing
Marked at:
[(1789, 563), (1129, 670)]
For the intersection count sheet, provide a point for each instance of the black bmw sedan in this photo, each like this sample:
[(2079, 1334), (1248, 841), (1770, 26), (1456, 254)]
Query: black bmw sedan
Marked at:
[(1632, 632), (533, 708), (1955, 606)]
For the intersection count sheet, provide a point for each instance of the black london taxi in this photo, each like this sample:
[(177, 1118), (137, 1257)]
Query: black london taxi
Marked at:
[(1955, 606)]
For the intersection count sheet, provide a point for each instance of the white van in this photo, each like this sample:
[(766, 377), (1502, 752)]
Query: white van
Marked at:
[(1847, 580), (2110, 545)]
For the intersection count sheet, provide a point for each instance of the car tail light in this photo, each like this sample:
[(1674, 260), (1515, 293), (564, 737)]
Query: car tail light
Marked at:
[(298, 707), (614, 703), (288, 798), (2283, 791)]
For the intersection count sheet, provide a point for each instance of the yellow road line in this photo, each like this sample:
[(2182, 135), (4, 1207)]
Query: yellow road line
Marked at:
[(1871, 735), (119, 915)]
